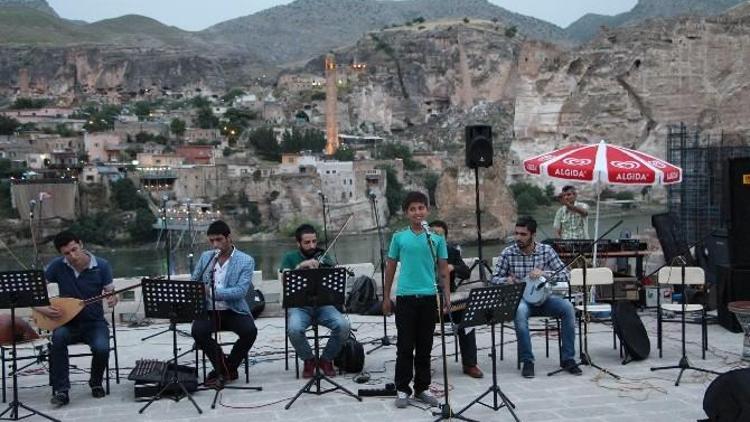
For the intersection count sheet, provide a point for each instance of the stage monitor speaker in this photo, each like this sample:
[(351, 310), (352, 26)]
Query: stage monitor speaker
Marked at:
[(713, 253), (734, 284), (738, 205), (478, 146), (668, 233)]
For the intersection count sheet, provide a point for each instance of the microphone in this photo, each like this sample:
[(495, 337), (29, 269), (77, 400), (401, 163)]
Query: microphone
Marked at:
[(371, 194), (32, 205), (320, 194), (426, 227), (388, 391)]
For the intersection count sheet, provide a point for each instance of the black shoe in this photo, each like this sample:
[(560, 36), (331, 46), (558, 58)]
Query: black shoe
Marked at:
[(97, 391), (60, 399), (528, 370), (571, 367)]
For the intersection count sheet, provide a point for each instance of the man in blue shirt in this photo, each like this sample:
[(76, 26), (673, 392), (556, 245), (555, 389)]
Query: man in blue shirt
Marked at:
[(416, 299), (230, 272), (79, 274)]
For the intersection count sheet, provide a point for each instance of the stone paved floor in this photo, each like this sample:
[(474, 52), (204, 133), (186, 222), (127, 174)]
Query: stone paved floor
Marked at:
[(640, 394)]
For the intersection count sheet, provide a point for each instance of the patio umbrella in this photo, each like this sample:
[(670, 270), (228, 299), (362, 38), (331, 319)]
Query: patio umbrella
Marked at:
[(603, 164)]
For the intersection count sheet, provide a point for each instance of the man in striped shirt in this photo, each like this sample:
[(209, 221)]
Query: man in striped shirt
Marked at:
[(525, 258)]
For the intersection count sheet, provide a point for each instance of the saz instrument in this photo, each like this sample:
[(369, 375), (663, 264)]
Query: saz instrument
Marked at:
[(69, 307)]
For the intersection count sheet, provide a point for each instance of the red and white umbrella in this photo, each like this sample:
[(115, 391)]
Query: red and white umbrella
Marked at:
[(603, 164)]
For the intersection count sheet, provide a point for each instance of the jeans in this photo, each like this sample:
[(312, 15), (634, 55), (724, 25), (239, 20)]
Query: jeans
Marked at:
[(467, 342), (93, 333), (555, 307), (240, 324), (415, 322), (328, 316)]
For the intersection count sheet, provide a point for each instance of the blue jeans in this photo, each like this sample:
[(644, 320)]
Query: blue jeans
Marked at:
[(327, 316), (555, 307), (93, 333)]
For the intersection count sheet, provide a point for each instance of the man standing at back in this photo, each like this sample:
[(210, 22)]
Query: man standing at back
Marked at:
[(571, 219)]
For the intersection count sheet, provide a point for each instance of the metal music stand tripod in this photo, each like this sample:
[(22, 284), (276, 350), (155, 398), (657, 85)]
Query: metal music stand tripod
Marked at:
[(684, 363), (21, 289), (492, 305), (179, 301), (314, 288)]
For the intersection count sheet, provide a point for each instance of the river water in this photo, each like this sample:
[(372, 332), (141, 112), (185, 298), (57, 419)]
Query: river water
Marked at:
[(150, 261)]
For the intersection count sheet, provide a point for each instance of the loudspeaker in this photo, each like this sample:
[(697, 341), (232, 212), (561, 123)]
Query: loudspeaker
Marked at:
[(734, 284), (478, 146), (738, 183)]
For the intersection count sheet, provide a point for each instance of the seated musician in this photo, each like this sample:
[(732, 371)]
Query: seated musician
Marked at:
[(78, 274), (458, 268), (527, 258), (231, 273), (309, 256)]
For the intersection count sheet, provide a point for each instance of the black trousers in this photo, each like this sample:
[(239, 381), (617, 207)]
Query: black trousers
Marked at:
[(467, 342), (242, 325), (415, 322)]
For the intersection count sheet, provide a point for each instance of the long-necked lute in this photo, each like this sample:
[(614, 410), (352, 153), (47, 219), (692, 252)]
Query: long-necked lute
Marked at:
[(69, 307)]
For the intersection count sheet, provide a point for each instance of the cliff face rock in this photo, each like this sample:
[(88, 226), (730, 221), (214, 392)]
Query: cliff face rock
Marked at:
[(109, 70), (629, 84)]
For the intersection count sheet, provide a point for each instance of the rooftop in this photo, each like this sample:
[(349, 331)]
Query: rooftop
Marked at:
[(639, 395)]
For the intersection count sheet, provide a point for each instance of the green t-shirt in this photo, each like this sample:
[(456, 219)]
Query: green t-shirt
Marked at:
[(417, 275), (293, 258)]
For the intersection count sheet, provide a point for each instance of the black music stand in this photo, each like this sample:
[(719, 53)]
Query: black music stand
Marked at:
[(179, 301), (684, 363), (318, 287), (492, 305), (21, 289)]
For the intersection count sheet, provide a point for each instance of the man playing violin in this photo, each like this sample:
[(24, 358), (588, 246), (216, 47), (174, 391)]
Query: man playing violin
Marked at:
[(527, 258), (309, 256), (79, 274)]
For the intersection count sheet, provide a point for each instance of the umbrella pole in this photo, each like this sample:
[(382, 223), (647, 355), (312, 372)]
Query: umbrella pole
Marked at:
[(596, 224)]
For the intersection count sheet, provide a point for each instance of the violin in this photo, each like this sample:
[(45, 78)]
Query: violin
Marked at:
[(22, 332)]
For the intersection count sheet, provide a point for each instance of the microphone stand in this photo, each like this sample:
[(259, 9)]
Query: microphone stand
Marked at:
[(445, 409), (684, 363), (385, 340), (325, 218), (35, 262), (220, 385)]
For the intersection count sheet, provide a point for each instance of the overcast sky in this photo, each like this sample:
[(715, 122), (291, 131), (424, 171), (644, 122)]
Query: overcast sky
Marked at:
[(195, 15)]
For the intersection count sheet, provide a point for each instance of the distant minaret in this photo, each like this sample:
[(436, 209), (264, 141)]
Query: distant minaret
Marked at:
[(332, 130), (23, 82)]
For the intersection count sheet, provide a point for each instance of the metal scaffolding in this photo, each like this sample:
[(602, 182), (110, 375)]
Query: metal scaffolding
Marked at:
[(698, 203)]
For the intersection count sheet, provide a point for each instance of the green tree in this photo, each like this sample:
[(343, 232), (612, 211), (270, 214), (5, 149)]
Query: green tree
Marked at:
[(394, 191), (511, 31), (29, 103), (177, 127), (264, 142), (392, 150), (232, 94), (239, 118), (99, 228), (431, 180), (343, 154), (200, 102), (205, 119), (527, 202), (126, 196), (142, 109), (141, 229), (530, 193), (297, 140), (6, 207), (8, 125)]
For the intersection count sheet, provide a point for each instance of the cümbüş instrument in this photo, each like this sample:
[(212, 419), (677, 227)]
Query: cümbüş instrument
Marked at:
[(69, 307), (537, 290)]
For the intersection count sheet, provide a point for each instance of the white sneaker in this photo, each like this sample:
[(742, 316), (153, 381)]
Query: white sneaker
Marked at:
[(427, 398), (402, 400)]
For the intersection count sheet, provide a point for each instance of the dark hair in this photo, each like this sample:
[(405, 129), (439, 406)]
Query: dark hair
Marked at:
[(567, 188), (65, 237), (441, 224), (528, 222), (303, 230), (413, 197), (218, 227)]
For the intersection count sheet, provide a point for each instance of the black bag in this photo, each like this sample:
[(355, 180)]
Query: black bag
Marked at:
[(351, 358), (362, 296), (257, 302), (727, 398)]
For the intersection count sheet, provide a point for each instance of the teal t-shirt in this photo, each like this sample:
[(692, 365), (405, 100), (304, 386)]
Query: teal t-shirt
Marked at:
[(417, 275)]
